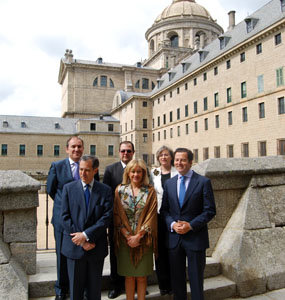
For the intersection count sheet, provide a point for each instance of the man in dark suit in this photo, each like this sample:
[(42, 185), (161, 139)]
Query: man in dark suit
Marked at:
[(113, 176), (60, 173), (188, 205), (87, 208)]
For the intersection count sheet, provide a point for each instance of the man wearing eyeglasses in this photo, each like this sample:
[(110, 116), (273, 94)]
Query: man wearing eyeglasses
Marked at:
[(113, 176)]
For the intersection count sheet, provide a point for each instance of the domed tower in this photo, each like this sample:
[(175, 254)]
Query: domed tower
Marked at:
[(182, 28)]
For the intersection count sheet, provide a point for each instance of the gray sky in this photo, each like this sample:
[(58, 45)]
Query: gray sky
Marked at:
[(35, 33)]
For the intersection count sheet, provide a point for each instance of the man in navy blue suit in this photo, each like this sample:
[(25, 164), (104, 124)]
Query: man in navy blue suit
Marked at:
[(87, 207), (188, 205), (60, 173)]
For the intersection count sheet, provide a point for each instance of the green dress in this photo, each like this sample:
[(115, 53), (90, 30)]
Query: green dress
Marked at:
[(133, 207)]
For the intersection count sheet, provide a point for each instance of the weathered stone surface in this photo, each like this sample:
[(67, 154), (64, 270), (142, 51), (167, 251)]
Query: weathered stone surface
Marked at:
[(20, 226), (267, 180), (13, 283), (18, 201), (1, 224), (15, 181), (25, 255), (4, 253)]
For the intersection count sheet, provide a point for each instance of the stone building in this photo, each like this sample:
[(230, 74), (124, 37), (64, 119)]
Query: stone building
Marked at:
[(219, 94)]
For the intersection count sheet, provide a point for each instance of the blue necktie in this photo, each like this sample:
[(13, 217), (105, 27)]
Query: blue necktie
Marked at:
[(87, 196), (76, 171), (182, 190)]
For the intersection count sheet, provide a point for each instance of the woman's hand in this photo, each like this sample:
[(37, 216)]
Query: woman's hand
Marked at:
[(134, 240)]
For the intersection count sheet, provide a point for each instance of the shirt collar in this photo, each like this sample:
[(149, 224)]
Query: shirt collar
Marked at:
[(123, 165), (90, 184), (188, 174), (72, 161)]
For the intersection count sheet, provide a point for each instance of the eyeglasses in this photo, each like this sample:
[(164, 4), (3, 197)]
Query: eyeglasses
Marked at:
[(128, 151)]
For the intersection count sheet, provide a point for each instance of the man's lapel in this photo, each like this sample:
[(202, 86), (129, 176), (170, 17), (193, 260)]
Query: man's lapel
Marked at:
[(93, 198), (68, 169), (81, 197)]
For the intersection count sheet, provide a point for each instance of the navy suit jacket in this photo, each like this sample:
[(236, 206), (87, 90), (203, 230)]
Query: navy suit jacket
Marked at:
[(75, 218), (198, 209), (59, 174)]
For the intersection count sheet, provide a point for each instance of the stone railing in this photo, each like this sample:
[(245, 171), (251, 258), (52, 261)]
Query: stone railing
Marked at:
[(247, 235), (18, 236)]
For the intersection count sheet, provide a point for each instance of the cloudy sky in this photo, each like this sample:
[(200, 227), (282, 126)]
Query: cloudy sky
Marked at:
[(35, 33)]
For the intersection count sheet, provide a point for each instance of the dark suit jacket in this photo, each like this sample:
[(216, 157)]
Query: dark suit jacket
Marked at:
[(198, 208), (74, 218), (59, 174), (113, 175)]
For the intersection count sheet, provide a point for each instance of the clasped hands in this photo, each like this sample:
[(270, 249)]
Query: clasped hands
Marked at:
[(181, 227), (79, 239), (133, 240)]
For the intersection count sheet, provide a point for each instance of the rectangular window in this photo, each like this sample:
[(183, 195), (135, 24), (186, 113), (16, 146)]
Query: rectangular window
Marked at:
[(153, 159), (216, 99), (228, 64), (164, 97), (277, 39), (244, 150), (145, 158), (186, 110), (178, 113), (262, 148), (171, 132), (281, 106), (281, 147), (244, 114), (243, 89), (131, 137), (230, 150), (126, 126), (205, 153), (170, 116), (40, 150), (145, 137), (144, 104), (145, 83), (186, 128), (170, 94), (164, 118), (56, 150), (152, 123), (132, 124), (195, 81), (111, 127), (22, 150), (103, 81), (153, 137), (196, 126), (195, 155), (230, 118), (145, 123), (178, 130), (178, 91), (261, 110), (260, 84), (158, 136), (205, 76), (205, 103), (4, 149), (186, 86), (217, 121), (110, 150), (158, 121), (217, 152), (206, 124), (242, 57), (279, 77), (216, 71), (93, 149), (164, 134), (229, 95), (92, 126), (258, 48), (195, 107)]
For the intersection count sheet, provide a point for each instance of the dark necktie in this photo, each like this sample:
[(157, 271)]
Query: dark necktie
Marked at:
[(182, 191), (76, 171), (87, 196)]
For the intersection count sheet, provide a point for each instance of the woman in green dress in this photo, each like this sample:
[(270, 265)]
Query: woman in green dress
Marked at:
[(135, 221)]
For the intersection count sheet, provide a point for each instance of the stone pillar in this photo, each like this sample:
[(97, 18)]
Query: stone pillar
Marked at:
[(18, 224)]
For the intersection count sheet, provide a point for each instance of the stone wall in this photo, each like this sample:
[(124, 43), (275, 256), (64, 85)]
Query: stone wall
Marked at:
[(248, 233), (18, 224)]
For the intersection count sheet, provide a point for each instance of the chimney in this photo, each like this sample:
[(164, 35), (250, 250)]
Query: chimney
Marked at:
[(232, 19), (99, 60)]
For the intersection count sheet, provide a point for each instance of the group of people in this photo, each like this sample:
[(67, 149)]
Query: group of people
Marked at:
[(162, 213)]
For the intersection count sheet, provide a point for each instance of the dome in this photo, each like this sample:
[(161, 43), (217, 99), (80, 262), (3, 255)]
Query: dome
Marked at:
[(180, 8)]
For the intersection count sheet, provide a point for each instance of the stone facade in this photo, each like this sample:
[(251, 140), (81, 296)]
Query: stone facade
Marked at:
[(18, 209)]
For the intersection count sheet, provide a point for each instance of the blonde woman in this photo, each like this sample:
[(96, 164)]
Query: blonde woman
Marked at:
[(135, 221)]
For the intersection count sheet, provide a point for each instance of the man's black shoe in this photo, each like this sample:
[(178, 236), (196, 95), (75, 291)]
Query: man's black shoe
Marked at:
[(60, 297), (114, 294)]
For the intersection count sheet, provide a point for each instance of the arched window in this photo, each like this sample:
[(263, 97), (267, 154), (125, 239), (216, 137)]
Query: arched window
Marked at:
[(174, 41), (137, 85), (152, 85), (111, 83), (151, 46), (95, 82)]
